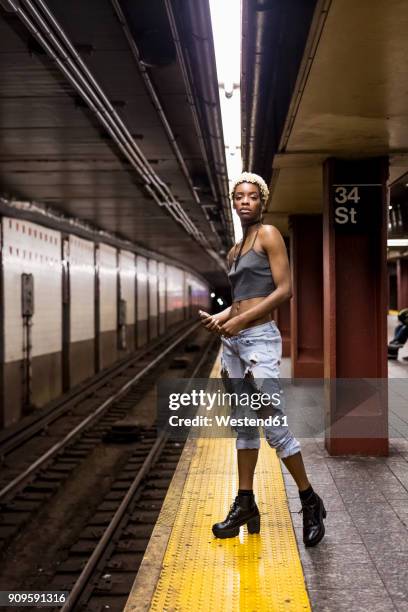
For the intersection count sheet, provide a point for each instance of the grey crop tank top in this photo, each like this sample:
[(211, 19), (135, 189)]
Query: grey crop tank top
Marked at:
[(251, 276)]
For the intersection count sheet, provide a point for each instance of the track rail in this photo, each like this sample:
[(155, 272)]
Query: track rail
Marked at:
[(15, 436), (24, 476), (117, 524)]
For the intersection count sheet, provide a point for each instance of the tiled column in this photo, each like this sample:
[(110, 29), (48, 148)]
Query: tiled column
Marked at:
[(355, 306)]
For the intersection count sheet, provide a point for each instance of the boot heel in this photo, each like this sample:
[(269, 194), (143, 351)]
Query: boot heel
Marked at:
[(254, 524), (324, 513)]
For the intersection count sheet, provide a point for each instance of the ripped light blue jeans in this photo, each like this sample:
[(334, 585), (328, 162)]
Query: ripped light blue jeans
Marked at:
[(250, 364)]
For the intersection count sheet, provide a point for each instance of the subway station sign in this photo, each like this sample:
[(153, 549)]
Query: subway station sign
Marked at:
[(357, 207)]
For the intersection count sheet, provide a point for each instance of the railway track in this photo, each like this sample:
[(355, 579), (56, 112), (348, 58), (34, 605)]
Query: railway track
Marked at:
[(39, 422), (114, 549), (100, 565), (43, 475)]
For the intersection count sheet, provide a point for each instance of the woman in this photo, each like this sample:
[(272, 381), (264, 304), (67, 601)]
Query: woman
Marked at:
[(252, 346)]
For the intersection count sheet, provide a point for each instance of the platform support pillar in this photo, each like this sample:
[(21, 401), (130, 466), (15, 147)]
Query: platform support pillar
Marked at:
[(307, 300), (355, 306)]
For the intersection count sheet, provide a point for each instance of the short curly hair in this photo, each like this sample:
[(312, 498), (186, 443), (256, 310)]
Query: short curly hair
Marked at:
[(250, 177)]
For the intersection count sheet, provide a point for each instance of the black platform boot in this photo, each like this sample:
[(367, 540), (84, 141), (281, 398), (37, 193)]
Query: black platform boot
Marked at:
[(243, 510), (313, 514)]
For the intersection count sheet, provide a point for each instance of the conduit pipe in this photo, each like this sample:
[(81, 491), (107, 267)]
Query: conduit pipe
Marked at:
[(194, 113), (159, 108), (152, 92), (206, 79), (190, 96), (111, 113), (100, 105), (203, 46), (160, 111)]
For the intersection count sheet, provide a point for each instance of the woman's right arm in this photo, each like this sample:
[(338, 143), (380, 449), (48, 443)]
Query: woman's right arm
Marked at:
[(223, 316), (213, 322)]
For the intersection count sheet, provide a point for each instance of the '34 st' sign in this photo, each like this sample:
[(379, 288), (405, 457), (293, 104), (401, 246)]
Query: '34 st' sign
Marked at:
[(357, 207)]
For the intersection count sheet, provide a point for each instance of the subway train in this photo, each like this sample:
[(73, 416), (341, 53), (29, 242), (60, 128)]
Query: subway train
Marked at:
[(73, 306)]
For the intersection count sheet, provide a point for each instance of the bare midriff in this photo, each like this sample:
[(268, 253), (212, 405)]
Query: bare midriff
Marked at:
[(238, 308)]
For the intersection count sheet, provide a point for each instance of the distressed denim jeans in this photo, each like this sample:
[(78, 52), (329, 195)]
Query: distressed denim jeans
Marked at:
[(250, 366)]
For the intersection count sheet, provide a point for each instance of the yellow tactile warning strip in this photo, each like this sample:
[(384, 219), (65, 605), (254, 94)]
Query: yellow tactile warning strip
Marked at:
[(249, 573)]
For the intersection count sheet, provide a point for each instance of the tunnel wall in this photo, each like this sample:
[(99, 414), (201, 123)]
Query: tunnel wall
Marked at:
[(92, 304), (31, 249)]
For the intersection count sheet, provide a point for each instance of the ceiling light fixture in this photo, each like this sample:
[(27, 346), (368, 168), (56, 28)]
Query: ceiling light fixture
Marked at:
[(228, 60)]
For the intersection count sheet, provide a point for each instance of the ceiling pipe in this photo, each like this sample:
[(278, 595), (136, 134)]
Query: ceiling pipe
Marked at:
[(102, 108), (253, 45), (194, 112), (153, 95), (87, 79), (203, 44), (169, 201), (159, 108), (275, 34), (65, 64), (105, 113), (205, 77), (190, 96)]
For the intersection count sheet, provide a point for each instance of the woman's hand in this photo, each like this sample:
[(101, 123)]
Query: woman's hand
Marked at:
[(210, 322), (232, 327)]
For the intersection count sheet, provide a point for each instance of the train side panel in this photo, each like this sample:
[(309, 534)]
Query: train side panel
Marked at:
[(127, 278), (107, 270), (82, 309), (162, 297), (175, 294), (142, 300), (153, 299), (85, 305), (33, 343)]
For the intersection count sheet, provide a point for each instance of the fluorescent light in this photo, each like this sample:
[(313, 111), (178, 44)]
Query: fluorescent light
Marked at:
[(219, 300), (226, 27), (397, 242)]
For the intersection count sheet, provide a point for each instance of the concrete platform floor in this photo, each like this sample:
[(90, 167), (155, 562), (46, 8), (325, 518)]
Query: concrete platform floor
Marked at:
[(362, 563), (398, 368)]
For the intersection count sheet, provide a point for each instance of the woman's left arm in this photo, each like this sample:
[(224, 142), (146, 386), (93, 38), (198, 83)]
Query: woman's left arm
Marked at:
[(273, 244)]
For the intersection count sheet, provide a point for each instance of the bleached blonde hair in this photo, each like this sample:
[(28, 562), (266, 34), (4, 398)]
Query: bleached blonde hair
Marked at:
[(250, 177)]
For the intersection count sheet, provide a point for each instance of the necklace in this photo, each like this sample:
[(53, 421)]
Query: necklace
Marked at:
[(236, 258)]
